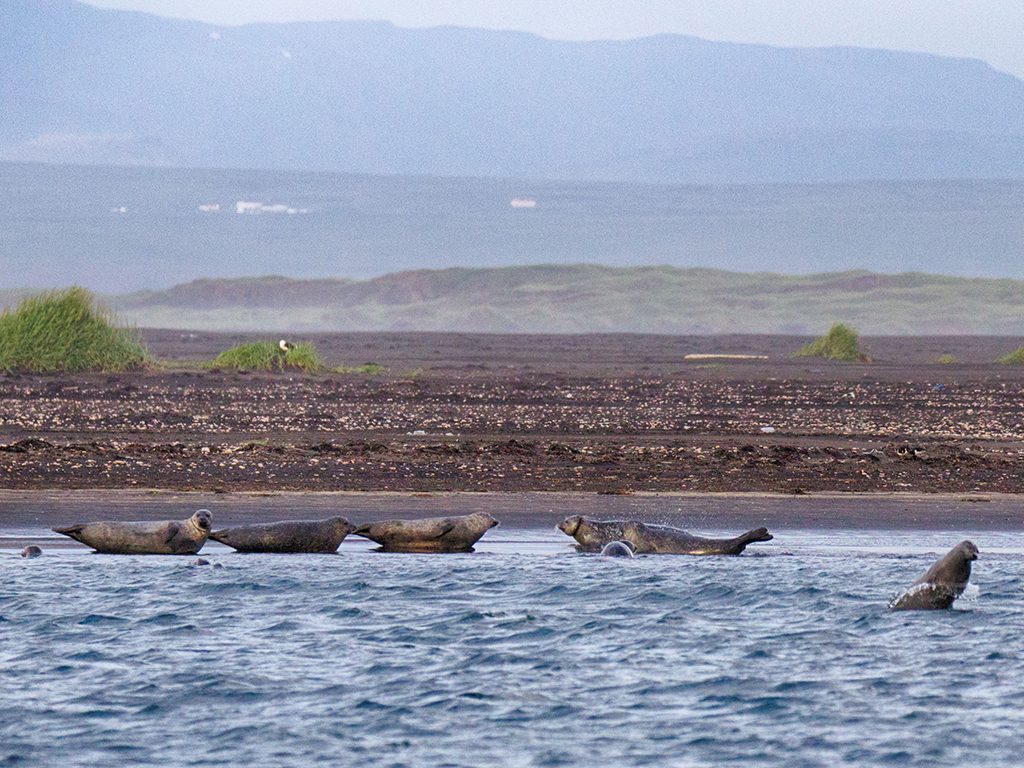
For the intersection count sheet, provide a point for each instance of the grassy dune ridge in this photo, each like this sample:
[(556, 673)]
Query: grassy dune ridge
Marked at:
[(589, 298)]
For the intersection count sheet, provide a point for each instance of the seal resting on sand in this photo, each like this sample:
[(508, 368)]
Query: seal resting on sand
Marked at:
[(185, 537), (592, 535), (617, 549), (31, 551), (943, 583), (318, 536), (434, 534)]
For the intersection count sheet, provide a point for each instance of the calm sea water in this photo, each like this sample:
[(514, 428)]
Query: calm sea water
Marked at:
[(523, 654)]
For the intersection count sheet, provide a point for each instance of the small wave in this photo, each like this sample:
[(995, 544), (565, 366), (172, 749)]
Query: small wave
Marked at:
[(98, 619)]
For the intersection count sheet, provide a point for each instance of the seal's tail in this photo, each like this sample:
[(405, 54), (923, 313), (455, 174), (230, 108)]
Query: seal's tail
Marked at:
[(758, 534), (74, 531)]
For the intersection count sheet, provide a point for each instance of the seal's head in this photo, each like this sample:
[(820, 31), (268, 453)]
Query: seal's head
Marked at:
[(618, 549), (570, 525), (968, 550), (485, 521), (342, 525), (203, 520), (31, 551)]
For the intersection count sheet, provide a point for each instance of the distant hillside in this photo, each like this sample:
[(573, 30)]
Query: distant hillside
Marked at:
[(116, 230), (584, 299), (81, 85)]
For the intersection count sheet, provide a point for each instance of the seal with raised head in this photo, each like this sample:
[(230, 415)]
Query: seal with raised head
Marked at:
[(593, 535), (31, 551), (943, 583), (433, 534), (315, 536), (184, 537), (617, 549)]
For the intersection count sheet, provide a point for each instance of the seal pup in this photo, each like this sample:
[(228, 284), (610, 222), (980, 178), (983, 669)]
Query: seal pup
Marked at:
[(592, 535), (317, 536), (943, 583), (185, 537), (617, 549), (433, 534), (31, 551)]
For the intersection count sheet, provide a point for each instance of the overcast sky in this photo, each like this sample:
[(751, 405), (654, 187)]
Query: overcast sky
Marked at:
[(992, 30)]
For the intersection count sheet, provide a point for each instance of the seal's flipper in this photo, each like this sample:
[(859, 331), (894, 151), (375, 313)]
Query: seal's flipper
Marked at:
[(445, 531), (741, 541), (172, 532)]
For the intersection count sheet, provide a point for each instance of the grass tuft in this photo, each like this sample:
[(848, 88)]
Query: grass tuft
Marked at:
[(840, 343), (267, 356), (1013, 358), (66, 330), (947, 359)]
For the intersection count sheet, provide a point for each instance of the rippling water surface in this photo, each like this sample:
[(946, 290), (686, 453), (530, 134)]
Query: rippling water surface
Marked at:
[(524, 654)]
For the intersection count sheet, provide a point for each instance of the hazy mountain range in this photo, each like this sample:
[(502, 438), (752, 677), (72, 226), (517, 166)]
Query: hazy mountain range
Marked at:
[(585, 299), (82, 85)]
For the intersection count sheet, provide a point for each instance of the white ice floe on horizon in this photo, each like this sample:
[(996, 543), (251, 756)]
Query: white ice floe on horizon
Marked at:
[(119, 209), (250, 207), (209, 207), (523, 202)]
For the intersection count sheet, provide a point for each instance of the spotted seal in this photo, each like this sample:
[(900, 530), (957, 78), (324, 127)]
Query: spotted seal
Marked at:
[(185, 537), (433, 534), (316, 536), (31, 551), (943, 583), (592, 535)]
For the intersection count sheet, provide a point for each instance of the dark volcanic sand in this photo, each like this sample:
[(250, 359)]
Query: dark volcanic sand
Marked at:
[(610, 414)]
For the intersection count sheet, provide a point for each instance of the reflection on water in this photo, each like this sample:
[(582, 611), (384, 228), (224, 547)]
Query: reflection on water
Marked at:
[(523, 654)]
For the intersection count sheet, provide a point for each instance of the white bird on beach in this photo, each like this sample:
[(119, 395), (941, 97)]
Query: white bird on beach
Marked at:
[(284, 348)]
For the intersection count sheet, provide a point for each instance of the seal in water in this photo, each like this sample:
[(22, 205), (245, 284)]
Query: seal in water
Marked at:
[(434, 534), (617, 549), (943, 583), (185, 537), (31, 551), (319, 536), (592, 535)]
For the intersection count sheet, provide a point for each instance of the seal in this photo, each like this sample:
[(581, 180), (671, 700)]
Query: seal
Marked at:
[(433, 534), (184, 537), (31, 551), (941, 584), (317, 536), (592, 535), (617, 549)]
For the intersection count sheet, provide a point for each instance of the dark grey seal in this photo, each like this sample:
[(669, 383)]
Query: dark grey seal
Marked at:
[(593, 535), (943, 583), (31, 551), (184, 537), (617, 549), (316, 536), (433, 534)]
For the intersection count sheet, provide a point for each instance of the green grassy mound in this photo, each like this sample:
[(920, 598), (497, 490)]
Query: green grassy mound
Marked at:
[(267, 356), (1014, 358), (66, 331), (840, 343)]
